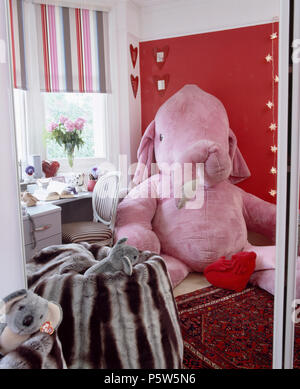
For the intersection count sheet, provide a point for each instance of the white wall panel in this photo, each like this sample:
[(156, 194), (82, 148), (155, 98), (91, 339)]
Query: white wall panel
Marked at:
[(12, 275)]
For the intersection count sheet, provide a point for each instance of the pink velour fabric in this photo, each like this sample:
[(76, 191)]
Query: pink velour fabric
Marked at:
[(192, 127)]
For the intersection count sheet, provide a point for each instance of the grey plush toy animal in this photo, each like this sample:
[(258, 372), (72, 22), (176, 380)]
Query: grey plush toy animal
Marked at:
[(120, 258), (26, 313)]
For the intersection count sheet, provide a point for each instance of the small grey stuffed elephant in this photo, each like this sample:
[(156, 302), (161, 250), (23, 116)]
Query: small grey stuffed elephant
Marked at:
[(25, 314), (120, 258)]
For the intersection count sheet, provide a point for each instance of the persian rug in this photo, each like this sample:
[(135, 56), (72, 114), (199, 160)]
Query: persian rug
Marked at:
[(223, 329)]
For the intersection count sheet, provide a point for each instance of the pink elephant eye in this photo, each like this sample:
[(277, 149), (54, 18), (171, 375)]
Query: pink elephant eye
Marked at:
[(161, 137)]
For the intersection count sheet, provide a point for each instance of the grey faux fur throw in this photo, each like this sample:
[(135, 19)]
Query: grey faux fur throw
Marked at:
[(41, 351), (109, 321)]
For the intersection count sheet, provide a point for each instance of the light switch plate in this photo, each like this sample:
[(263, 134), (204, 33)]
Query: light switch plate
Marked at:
[(160, 56), (161, 85)]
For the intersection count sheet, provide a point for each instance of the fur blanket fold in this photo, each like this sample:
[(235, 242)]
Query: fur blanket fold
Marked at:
[(109, 321), (41, 351)]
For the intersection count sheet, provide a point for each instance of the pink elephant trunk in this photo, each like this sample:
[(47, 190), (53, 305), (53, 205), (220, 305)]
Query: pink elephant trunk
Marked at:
[(216, 161)]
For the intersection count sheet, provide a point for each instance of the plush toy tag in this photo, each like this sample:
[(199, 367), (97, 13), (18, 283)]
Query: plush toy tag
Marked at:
[(47, 328)]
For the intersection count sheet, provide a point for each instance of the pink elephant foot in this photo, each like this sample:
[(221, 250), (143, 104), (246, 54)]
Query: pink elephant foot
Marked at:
[(177, 269), (264, 275)]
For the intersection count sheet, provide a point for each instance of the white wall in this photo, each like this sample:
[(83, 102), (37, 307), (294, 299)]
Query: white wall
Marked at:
[(133, 37), (12, 274), (126, 19), (185, 17), (142, 20)]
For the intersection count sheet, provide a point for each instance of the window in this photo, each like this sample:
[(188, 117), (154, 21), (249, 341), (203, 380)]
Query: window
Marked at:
[(20, 108), (92, 108), (55, 56)]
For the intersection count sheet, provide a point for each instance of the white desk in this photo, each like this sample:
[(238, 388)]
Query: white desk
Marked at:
[(42, 228), (48, 216), (75, 209), (79, 196)]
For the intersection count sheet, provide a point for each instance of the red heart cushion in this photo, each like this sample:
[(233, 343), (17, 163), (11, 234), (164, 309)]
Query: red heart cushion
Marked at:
[(50, 168), (231, 274)]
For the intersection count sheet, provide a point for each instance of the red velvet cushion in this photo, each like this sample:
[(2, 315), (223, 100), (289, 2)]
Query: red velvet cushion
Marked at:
[(231, 273)]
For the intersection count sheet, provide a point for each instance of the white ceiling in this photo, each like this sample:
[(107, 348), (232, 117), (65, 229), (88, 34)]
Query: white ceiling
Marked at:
[(149, 3)]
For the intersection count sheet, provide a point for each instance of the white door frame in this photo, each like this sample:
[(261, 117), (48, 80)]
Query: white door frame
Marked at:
[(288, 189), (12, 262)]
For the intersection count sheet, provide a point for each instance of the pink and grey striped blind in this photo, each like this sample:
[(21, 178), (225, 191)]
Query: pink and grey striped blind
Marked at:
[(17, 43), (72, 46)]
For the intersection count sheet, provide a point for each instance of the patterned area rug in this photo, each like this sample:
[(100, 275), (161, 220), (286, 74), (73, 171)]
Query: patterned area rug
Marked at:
[(228, 330)]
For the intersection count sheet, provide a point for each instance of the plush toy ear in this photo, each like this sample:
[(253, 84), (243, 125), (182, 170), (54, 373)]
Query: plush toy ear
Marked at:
[(127, 265), (240, 170), (145, 155), (121, 241), (11, 299)]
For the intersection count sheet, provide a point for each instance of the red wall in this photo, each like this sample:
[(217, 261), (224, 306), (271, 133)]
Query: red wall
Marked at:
[(230, 65)]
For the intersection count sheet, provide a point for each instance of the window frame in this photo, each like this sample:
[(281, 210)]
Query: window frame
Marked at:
[(98, 138), (36, 118), (21, 124)]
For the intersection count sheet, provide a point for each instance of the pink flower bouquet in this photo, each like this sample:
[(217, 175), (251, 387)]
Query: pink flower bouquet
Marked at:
[(67, 134)]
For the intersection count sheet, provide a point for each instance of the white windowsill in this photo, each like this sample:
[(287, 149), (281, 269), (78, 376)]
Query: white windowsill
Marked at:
[(81, 165)]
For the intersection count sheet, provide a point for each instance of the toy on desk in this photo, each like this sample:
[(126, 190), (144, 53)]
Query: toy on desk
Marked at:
[(72, 189), (75, 181), (26, 313), (29, 172), (79, 183), (28, 199)]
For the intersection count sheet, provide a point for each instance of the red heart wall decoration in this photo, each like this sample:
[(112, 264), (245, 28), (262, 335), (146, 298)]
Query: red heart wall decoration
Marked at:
[(161, 83), (160, 56), (134, 84), (133, 54), (50, 168)]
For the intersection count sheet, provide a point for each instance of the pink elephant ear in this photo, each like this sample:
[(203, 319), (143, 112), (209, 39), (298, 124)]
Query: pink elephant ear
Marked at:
[(145, 155), (240, 170)]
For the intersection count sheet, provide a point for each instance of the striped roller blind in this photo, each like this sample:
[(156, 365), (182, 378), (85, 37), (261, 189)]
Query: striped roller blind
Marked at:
[(72, 49), (17, 43)]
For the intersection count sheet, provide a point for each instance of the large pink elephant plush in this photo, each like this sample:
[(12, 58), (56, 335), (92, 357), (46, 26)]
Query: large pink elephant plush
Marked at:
[(192, 129)]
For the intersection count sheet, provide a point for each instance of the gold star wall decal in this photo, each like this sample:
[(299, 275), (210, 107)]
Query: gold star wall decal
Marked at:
[(274, 36), (273, 170), (269, 58)]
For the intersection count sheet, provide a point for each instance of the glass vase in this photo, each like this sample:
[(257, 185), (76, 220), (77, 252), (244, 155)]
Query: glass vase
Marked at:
[(70, 155), (69, 149)]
